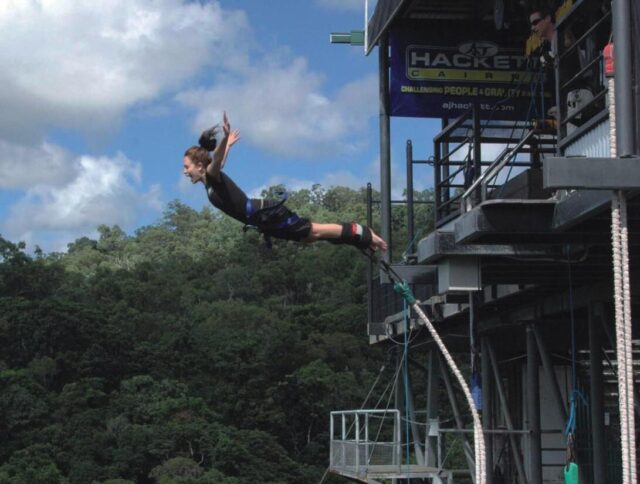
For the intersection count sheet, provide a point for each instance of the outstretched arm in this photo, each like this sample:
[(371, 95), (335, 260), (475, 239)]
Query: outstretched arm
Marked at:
[(220, 153), (234, 136)]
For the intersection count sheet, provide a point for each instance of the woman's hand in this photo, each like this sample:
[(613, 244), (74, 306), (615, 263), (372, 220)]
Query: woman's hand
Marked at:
[(226, 127), (233, 137)]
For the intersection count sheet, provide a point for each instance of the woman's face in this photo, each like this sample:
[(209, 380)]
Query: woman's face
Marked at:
[(194, 171)]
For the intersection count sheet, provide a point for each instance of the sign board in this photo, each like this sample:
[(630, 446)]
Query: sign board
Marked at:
[(442, 78)]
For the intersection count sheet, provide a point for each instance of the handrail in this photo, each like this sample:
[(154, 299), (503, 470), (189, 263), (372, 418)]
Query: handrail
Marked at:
[(496, 166), (455, 150), (582, 72), (588, 32), (453, 126)]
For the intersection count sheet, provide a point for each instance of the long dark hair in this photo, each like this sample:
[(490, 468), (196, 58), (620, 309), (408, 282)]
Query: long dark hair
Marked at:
[(197, 154), (207, 142)]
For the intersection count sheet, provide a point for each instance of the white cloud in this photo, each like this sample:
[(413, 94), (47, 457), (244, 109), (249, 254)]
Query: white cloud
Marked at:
[(280, 107), (23, 167), (81, 63), (102, 191)]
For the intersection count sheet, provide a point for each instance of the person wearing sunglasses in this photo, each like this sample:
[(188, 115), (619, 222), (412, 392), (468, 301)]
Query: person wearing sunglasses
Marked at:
[(543, 24)]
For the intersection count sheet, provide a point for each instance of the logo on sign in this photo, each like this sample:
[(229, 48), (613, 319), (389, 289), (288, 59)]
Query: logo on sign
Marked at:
[(469, 61)]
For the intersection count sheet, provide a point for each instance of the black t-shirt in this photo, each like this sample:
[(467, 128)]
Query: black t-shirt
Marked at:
[(227, 196), (279, 222)]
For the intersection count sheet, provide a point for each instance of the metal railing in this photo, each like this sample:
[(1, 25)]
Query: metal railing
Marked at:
[(366, 438), (494, 169), (582, 34), (461, 183)]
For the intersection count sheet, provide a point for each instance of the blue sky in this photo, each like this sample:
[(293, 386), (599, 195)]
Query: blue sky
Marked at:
[(100, 100)]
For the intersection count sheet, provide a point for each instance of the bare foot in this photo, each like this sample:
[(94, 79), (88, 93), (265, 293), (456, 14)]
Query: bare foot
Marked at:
[(377, 243)]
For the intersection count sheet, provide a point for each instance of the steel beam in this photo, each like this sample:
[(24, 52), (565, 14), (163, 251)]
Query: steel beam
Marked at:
[(591, 173), (621, 20), (415, 431), (385, 144), (517, 457), (468, 452), (432, 410), (487, 405), (477, 151), (596, 392), (440, 244), (550, 374), (370, 263), (533, 409), (410, 215)]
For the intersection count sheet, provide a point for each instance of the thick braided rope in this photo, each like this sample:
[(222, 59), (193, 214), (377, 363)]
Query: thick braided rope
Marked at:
[(626, 302), (622, 299), (620, 337), (478, 434)]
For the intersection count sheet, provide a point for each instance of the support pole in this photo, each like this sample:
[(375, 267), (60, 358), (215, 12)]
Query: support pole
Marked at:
[(385, 144), (370, 263), (415, 431), (446, 196), (596, 393), (517, 458), (410, 214), (550, 374), (533, 408), (477, 151), (437, 184), (487, 405), (621, 17), (431, 443), (468, 452), (399, 401)]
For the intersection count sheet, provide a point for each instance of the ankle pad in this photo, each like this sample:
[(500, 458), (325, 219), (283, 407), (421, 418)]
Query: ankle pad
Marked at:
[(356, 235)]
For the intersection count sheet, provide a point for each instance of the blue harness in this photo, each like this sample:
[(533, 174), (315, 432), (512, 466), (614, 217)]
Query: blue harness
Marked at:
[(253, 216)]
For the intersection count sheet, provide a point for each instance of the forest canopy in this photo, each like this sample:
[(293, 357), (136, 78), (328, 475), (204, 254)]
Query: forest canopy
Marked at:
[(186, 352)]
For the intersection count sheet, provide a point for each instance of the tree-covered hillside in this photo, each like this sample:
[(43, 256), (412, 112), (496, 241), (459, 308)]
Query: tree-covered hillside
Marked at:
[(186, 353)]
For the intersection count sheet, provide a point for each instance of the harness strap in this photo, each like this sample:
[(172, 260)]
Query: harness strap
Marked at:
[(253, 213), (254, 216)]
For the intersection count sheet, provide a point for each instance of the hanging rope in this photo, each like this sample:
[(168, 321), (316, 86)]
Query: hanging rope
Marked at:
[(622, 298), (402, 287)]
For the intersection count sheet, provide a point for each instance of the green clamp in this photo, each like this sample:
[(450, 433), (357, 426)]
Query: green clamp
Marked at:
[(404, 289)]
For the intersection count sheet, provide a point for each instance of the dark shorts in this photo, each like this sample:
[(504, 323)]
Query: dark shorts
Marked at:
[(276, 220)]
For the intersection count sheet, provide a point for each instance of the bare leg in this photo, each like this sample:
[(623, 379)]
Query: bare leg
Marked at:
[(334, 231), (323, 231)]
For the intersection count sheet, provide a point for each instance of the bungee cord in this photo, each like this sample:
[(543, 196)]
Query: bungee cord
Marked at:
[(403, 288)]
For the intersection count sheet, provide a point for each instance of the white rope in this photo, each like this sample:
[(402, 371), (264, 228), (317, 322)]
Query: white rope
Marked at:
[(622, 299), (478, 436)]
